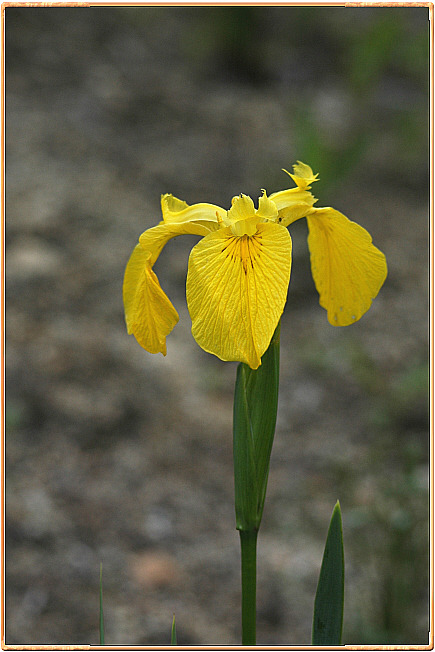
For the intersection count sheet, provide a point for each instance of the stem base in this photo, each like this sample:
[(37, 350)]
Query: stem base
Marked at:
[(248, 543)]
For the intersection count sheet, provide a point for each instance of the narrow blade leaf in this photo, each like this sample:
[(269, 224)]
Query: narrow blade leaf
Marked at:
[(173, 632), (329, 602)]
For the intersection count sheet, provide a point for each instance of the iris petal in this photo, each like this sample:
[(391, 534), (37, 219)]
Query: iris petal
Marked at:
[(347, 268), (242, 217), (292, 204), (266, 208), (303, 175), (295, 203), (176, 211), (236, 291), (149, 314), (154, 239)]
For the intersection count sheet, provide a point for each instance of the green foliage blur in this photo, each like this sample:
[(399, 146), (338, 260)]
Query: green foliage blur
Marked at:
[(377, 60), (389, 538), (362, 51)]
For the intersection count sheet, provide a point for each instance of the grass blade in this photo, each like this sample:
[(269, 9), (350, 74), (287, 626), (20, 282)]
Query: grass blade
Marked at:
[(101, 607), (329, 602), (173, 632)]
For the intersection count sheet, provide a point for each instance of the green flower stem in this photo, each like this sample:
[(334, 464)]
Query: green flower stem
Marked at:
[(248, 542)]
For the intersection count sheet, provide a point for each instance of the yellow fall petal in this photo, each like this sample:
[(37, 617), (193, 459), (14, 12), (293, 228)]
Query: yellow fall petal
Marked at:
[(347, 268), (236, 291), (149, 314), (154, 239)]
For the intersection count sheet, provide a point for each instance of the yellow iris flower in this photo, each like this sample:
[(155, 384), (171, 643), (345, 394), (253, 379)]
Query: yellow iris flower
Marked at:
[(239, 272)]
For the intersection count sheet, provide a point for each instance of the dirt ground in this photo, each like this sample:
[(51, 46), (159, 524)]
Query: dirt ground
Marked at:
[(118, 456)]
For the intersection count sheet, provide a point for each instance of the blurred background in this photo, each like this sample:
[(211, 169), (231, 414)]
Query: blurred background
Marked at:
[(119, 456)]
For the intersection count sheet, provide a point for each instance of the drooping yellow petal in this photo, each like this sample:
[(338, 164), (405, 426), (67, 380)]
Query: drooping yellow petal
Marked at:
[(236, 291), (154, 239), (149, 314), (347, 268)]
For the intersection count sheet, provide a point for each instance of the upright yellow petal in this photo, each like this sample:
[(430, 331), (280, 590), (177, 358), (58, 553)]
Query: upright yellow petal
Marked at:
[(292, 204), (236, 291), (242, 216), (176, 211), (295, 203), (171, 206), (242, 208), (267, 208), (149, 314), (347, 268), (303, 175)]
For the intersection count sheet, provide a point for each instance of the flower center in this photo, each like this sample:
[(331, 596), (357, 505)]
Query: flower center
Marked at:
[(244, 248)]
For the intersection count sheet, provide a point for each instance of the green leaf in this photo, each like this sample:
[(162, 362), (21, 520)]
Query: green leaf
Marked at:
[(101, 607), (255, 409), (329, 602), (173, 632)]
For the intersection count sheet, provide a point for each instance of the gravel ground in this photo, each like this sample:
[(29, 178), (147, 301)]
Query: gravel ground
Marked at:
[(121, 457)]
